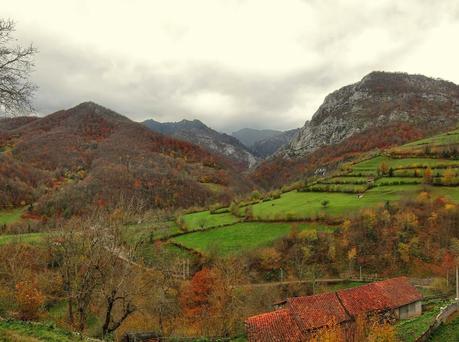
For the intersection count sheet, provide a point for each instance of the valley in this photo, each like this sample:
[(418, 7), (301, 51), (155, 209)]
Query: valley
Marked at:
[(93, 202)]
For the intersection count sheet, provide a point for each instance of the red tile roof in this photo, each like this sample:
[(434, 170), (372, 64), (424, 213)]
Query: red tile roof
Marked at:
[(276, 326), (317, 311), (303, 314), (381, 295)]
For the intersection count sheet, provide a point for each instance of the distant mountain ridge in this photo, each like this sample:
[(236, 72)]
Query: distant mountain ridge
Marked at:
[(264, 142), (250, 136), (198, 133), (267, 147)]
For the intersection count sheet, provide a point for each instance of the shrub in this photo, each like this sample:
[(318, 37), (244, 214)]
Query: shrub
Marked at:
[(248, 213), (255, 195), (234, 209), (29, 299)]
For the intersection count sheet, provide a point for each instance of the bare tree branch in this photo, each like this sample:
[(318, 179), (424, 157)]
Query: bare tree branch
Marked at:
[(16, 64)]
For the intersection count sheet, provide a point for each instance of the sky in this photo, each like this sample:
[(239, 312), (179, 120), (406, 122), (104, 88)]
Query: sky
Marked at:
[(228, 63)]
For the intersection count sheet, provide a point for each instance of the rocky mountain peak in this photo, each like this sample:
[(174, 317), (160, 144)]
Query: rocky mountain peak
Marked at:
[(378, 99)]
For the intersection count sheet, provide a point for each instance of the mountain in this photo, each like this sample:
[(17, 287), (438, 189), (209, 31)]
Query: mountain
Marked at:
[(379, 99), (249, 136), (266, 147), (198, 133), (382, 110), (74, 159)]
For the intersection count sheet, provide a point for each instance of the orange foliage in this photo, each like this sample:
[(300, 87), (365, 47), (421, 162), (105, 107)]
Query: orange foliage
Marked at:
[(195, 297), (29, 299)]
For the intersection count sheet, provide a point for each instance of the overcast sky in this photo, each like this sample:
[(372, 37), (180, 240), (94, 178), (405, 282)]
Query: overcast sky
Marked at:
[(229, 63)]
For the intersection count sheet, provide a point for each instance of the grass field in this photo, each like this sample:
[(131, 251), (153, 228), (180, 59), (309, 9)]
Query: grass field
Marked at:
[(32, 332), (398, 180), (10, 216), (240, 237), (339, 193), (307, 205), (205, 219), (451, 137), (447, 191), (447, 332), (345, 180), (30, 238), (149, 231), (373, 164)]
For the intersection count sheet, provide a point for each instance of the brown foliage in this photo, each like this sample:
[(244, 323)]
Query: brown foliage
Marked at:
[(29, 299)]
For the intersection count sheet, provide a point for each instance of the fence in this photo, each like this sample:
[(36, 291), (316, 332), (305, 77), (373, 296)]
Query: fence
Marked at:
[(441, 318)]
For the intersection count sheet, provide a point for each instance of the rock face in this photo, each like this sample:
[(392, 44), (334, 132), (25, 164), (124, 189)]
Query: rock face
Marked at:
[(379, 99), (198, 133)]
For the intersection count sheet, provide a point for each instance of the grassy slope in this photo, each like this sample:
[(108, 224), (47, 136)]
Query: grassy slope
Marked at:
[(307, 205), (205, 219), (408, 330), (240, 237), (31, 238), (32, 332), (447, 332), (10, 216), (373, 163), (451, 137)]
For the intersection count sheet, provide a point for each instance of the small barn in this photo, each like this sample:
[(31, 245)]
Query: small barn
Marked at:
[(299, 317)]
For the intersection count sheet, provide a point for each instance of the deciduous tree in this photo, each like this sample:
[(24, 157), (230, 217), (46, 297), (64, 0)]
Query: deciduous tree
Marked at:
[(16, 63)]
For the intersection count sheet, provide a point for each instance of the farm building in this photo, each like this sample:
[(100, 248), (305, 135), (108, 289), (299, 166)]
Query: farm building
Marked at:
[(299, 317)]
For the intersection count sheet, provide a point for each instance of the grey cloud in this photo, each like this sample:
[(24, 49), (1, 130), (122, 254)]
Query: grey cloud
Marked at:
[(69, 74)]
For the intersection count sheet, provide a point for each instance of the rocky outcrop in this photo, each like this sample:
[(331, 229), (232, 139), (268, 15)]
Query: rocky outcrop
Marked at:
[(379, 99), (198, 133)]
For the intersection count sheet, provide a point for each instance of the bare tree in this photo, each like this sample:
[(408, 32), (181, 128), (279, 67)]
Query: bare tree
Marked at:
[(16, 63), (122, 281)]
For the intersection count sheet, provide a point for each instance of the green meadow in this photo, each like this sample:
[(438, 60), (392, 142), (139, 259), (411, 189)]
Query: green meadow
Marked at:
[(29, 238), (10, 215), (241, 237)]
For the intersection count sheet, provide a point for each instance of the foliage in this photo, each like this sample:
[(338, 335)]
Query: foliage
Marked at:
[(29, 299)]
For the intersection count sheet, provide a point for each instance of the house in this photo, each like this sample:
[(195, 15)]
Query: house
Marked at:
[(300, 317)]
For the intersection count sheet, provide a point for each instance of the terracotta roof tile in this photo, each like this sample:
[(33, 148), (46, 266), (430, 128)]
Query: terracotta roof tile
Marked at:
[(276, 326), (381, 295), (303, 314), (316, 311)]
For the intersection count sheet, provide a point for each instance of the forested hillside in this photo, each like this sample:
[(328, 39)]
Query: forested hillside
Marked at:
[(73, 159)]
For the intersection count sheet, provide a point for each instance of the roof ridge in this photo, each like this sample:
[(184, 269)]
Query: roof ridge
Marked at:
[(344, 306)]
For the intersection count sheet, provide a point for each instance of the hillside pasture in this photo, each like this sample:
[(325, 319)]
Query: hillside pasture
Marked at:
[(308, 205), (204, 220), (149, 231), (240, 237), (403, 163), (447, 138), (344, 180), (9, 216), (11, 330), (385, 181), (346, 188), (28, 238)]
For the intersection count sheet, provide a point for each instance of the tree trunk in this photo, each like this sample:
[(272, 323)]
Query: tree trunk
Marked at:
[(108, 315), (70, 310)]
